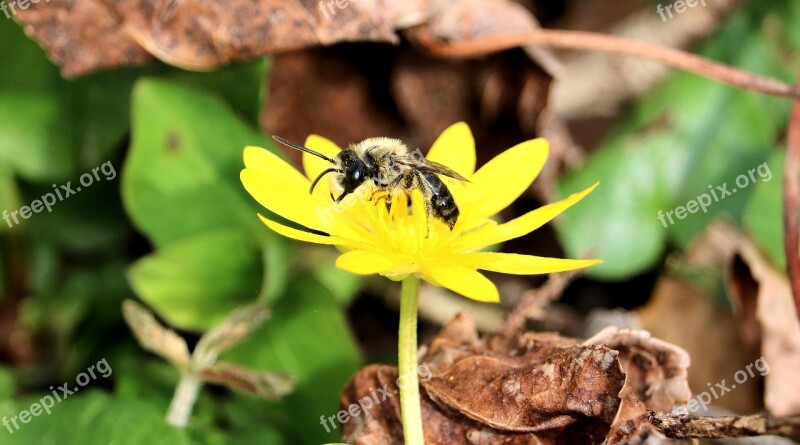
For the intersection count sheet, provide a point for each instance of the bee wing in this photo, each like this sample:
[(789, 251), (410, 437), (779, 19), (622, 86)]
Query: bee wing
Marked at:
[(430, 166)]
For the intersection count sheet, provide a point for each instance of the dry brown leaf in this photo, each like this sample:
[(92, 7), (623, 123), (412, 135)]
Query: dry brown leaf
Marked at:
[(656, 373), (683, 311), (464, 20), (81, 36), (153, 336), (530, 388), (84, 35), (381, 425), (236, 327), (579, 381), (267, 385), (757, 285)]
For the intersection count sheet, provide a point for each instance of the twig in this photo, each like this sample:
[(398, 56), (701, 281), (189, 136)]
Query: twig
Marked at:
[(683, 427), (548, 292), (601, 42), (791, 203)]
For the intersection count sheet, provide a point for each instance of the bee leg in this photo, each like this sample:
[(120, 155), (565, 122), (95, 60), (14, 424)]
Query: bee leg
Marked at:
[(423, 187), (380, 194)]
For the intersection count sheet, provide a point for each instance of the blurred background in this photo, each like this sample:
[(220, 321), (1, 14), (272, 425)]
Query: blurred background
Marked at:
[(104, 115)]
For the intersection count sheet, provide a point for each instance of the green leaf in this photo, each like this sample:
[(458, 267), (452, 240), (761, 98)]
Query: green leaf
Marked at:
[(763, 214), (196, 282), (29, 109), (7, 383), (77, 224), (9, 195), (29, 119), (242, 85), (618, 222), (182, 173), (33, 97), (92, 418), (306, 336), (344, 286), (685, 136), (58, 145)]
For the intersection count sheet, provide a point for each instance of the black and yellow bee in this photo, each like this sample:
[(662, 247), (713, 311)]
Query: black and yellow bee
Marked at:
[(387, 166)]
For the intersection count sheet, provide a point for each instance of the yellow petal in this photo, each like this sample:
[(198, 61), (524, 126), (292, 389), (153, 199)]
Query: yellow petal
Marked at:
[(455, 148), (515, 264), (300, 235), (313, 165), (523, 225), (363, 262), (260, 159), (462, 280), (279, 187), (503, 179)]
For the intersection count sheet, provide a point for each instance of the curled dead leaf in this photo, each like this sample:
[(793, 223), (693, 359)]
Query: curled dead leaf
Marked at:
[(763, 293), (82, 36), (155, 337), (529, 388)]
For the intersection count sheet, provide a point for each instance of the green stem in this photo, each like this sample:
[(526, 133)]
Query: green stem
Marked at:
[(407, 358), (183, 401)]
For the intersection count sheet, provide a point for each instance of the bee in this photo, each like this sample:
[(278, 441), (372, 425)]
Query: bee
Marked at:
[(387, 166)]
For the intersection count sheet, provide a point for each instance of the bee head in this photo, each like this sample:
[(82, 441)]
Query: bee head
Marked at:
[(351, 172)]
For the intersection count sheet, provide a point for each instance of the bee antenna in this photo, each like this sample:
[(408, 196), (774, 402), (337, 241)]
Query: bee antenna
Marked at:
[(301, 148), (314, 184)]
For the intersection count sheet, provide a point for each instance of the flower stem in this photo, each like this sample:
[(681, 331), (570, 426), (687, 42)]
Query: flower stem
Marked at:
[(183, 401), (407, 360)]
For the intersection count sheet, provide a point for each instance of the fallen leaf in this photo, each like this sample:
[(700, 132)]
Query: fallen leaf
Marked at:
[(655, 371), (684, 310), (529, 388), (82, 36), (757, 286)]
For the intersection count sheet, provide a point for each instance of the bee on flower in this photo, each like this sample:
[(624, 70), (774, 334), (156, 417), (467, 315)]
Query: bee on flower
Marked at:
[(434, 219)]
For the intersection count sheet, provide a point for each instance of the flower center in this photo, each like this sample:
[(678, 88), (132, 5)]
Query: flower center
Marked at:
[(396, 223)]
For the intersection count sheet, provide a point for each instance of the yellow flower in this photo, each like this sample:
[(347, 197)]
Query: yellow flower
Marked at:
[(398, 240)]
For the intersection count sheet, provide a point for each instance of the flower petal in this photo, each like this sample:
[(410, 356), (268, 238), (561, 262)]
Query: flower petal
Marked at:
[(455, 148), (523, 225), (313, 165), (364, 262), (462, 280), (260, 159), (512, 263), (300, 235), (279, 187), (503, 179)]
